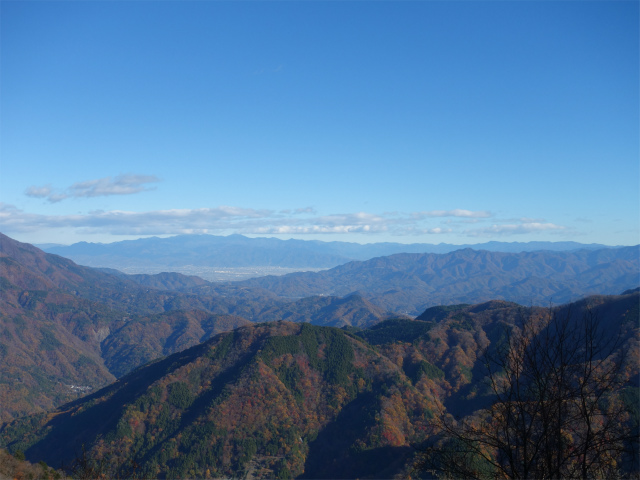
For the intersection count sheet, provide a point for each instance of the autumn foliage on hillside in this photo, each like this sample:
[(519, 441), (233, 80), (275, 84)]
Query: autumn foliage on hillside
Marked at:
[(257, 398), (282, 399), (66, 330)]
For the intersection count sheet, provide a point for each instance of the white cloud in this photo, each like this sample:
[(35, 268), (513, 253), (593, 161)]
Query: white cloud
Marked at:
[(422, 231), (39, 192), (121, 185), (359, 218), (531, 220), (117, 222), (360, 222), (437, 231), (315, 229), (453, 213), (298, 211), (230, 219), (516, 229), (200, 220)]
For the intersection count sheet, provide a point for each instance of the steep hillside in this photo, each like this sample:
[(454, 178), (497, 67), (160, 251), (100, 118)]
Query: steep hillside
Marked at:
[(55, 346), (66, 330), (55, 317), (282, 399), (16, 468), (275, 399), (261, 305), (352, 310), (409, 283), (135, 343), (163, 281), (49, 343), (27, 267)]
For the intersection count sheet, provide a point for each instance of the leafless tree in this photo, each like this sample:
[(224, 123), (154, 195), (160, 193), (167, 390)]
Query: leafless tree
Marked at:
[(558, 409)]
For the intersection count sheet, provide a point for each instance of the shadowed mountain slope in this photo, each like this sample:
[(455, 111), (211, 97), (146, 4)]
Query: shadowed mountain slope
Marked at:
[(269, 398), (280, 399)]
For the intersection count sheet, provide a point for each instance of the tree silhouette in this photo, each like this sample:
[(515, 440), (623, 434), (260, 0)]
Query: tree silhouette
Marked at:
[(558, 411)]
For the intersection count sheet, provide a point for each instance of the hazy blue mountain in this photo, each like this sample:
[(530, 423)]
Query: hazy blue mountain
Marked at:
[(410, 282), (240, 251), (204, 250), (44, 246)]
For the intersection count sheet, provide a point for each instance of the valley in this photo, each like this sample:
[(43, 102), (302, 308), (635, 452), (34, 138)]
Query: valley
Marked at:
[(212, 274), (236, 257), (332, 240), (174, 376)]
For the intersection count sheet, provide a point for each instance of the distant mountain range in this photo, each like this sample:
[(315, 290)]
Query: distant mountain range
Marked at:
[(256, 385), (410, 282), (237, 251)]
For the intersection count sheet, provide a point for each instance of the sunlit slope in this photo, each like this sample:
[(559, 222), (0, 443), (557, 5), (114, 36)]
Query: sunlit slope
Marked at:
[(66, 330), (277, 397), (281, 399)]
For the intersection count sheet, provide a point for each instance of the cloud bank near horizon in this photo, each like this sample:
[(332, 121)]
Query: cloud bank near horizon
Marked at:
[(300, 221)]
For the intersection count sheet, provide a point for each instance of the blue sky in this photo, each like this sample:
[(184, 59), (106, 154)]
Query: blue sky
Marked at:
[(456, 122)]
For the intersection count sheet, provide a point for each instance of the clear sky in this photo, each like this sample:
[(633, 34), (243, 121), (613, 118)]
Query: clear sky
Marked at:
[(404, 121)]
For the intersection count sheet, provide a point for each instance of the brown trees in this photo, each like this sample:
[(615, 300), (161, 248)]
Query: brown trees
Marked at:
[(558, 385)]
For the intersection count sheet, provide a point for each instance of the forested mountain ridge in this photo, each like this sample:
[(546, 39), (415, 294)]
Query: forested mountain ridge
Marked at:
[(362, 396), (282, 399), (66, 329), (28, 267), (56, 345), (409, 283), (276, 398)]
